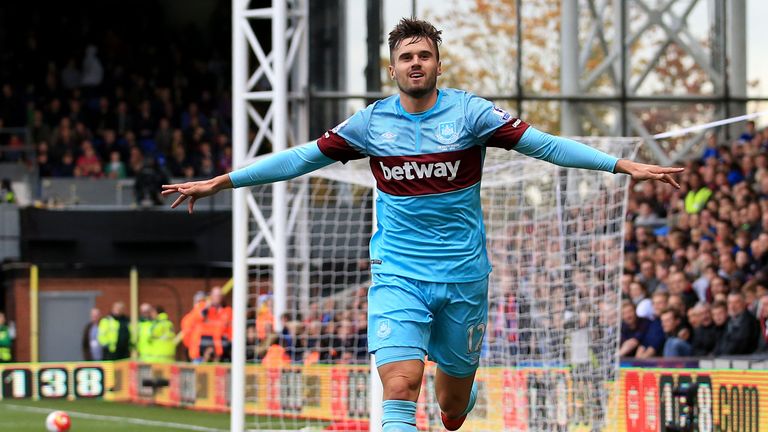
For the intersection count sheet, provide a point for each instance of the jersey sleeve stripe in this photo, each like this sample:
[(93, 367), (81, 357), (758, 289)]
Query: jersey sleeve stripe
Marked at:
[(508, 135), (337, 148)]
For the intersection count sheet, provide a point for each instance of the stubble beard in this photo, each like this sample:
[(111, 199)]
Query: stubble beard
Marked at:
[(419, 92)]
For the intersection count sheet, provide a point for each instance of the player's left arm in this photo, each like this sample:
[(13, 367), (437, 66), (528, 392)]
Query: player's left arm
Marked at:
[(495, 127), (569, 153)]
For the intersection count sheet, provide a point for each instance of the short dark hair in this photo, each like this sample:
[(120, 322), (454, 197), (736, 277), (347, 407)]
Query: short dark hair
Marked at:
[(409, 28), (719, 305), (674, 312)]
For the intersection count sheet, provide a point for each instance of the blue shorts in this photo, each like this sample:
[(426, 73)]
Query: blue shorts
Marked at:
[(445, 320)]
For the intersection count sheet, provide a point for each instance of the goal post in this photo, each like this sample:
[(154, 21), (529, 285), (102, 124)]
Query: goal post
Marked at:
[(549, 359)]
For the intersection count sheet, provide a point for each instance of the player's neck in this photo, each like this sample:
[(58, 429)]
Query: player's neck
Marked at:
[(414, 105)]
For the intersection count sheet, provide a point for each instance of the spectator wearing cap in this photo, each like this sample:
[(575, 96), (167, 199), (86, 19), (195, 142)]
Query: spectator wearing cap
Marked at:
[(742, 330)]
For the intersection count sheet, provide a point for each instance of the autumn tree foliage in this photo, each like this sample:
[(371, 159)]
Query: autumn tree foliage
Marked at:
[(480, 54)]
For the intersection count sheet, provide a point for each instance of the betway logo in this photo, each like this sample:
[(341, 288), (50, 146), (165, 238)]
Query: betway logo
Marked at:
[(413, 170)]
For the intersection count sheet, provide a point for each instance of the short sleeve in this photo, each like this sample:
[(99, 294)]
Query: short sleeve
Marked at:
[(347, 141), (355, 128), (483, 118)]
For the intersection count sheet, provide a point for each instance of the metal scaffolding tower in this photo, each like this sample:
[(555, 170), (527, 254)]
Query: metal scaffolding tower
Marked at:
[(635, 20), (269, 73)]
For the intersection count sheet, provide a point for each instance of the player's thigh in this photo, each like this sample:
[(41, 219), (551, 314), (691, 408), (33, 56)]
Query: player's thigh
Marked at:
[(398, 314), (459, 327)]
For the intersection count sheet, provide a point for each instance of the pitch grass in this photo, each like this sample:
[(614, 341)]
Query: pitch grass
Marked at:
[(96, 415)]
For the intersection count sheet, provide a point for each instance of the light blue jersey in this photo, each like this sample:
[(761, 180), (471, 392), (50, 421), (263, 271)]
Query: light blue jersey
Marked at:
[(427, 168)]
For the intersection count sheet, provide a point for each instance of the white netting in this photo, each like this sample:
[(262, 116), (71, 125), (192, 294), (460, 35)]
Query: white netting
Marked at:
[(555, 237)]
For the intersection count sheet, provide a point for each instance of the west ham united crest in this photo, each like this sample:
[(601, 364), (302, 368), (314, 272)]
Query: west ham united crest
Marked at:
[(447, 132)]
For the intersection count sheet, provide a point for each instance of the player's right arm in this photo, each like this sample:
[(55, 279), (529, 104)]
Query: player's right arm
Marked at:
[(284, 165), (343, 143)]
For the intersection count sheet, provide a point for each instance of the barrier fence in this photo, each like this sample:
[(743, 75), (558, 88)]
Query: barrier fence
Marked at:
[(727, 400)]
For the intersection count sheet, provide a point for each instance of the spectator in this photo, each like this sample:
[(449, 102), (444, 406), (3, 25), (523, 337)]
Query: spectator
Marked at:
[(698, 194), (361, 346), (115, 169), (330, 344), (749, 132), (717, 287), (251, 342), (274, 354), (633, 330), (676, 344), (742, 330), (6, 192), (39, 130), (148, 184), (638, 337), (639, 296), (264, 315), (705, 334), (729, 270), (654, 342), (143, 339), (93, 71), (162, 338), (114, 334), (7, 334), (762, 341), (701, 285), (91, 346), (679, 285), (211, 328), (647, 275), (88, 164), (189, 325), (67, 166)]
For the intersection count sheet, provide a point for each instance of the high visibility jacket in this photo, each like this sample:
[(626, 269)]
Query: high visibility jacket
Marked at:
[(144, 340), (114, 337), (276, 357), (5, 343), (163, 339), (190, 321), (696, 200)]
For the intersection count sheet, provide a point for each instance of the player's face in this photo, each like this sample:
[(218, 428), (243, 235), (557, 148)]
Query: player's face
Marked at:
[(415, 67)]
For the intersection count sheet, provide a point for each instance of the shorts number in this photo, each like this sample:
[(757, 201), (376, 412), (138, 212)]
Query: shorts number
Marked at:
[(475, 341)]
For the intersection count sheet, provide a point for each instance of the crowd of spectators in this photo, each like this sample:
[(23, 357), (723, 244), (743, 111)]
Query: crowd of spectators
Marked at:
[(329, 332), (138, 101), (117, 101), (696, 277)]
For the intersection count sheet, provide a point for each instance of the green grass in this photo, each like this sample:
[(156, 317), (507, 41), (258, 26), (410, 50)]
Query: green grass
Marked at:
[(97, 415)]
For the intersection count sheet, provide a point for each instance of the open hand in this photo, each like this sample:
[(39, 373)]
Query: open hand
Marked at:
[(640, 171), (196, 190)]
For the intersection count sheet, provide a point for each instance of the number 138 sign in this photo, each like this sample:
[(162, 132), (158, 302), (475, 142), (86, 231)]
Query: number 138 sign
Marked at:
[(52, 382)]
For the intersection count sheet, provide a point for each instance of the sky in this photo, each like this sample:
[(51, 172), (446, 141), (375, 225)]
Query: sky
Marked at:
[(757, 38)]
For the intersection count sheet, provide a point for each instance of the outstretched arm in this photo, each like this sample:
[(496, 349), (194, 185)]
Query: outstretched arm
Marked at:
[(569, 153), (281, 166)]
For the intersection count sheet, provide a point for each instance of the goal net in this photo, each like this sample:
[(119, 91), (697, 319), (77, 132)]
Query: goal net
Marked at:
[(549, 360)]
